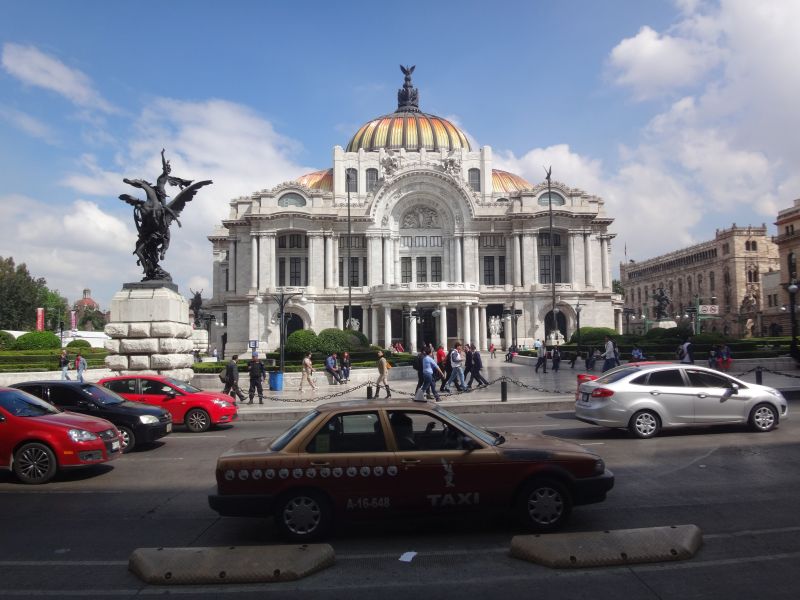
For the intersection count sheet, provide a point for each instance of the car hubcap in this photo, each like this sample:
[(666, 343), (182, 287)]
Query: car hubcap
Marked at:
[(764, 418), (545, 506), (126, 438), (646, 424), (302, 515), (197, 421), (34, 463)]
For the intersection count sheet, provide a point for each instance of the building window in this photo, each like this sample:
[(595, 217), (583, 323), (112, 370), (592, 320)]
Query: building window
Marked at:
[(294, 270), (493, 241), (421, 241), (726, 248), (545, 272), (227, 280), (488, 270), (422, 269), (351, 180), (354, 271), (291, 199), (726, 277), (356, 241), (341, 272), (544, 239), (372, 179), (406, 241), (711, 281), (405, 269), (296, 240), (281, 241), (750, 246), (435, 241), (281, 271), (557, 200), (752, 276), (501, 270), (365, 279), (474, 176), (436, 268)]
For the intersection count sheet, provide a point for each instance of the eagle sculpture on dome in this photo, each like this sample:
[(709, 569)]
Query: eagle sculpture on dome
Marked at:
[(154, 216), (408, 97)]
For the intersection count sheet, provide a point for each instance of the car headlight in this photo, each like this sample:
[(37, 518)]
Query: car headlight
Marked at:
[(221, 403), (148, 419), (599, 466), (81, 435)]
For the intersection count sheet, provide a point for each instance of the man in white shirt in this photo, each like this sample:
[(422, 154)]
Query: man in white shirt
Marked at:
[(609, 356)]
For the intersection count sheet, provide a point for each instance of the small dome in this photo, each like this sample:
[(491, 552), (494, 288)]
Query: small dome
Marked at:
[(503, 181), (318, 180), (408, 127)]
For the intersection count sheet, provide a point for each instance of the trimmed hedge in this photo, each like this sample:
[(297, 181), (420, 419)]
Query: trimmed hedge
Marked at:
[(37, 340), (301, 341), (6, 340), (79, 344)]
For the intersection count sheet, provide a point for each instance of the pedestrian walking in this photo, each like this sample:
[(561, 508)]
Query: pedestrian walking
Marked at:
[(456, 360), (724, 359), (383, 375), (344, 366), (416, 364), (332, 367), (215, 354), (63, 363), (80, 366), (556, 358), (492, 351), (232, 380), (446, 366), (429, 366), (686, 352), (308, 372), (573, 359), (475, 370), (609, 356), (541, 360), (257, 372)]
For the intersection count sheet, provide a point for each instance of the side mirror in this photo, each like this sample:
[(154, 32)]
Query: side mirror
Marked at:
[(2, 419), (86, 404), (171, 394), (468, 444)]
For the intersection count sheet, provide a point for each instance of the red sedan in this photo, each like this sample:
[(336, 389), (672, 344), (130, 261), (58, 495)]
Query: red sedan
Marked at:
[(37, 439), (197, 409)]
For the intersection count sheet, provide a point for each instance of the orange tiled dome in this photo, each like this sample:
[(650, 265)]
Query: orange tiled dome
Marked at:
[(318, 180), (503, 181), (409, 130)]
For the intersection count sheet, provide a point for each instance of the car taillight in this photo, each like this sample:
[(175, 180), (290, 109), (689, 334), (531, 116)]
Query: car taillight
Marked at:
[(582, 377), (602, 393)]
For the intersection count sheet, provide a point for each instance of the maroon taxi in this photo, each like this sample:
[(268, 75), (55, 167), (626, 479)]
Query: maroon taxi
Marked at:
[(37, 439), (197, 409), (364, 458)]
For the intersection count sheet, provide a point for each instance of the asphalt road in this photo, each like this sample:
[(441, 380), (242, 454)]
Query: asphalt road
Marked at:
[(72, 538)]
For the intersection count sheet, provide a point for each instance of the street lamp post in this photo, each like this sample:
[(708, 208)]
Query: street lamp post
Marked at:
[(349, 322), (259, 301), (552, 259), (792, 289), (578, 308), (282, 299)]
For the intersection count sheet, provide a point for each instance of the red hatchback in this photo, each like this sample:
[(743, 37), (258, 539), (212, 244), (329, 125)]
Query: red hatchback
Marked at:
[(196, 408), (37, 439)]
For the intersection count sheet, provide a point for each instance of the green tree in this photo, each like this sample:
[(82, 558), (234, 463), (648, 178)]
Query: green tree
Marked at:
[(21, 294), (94, 317), (616, 287)]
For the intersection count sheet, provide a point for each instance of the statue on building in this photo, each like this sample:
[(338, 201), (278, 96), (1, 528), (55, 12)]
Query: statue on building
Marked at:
[(390, 164), (196, 306), (353, 323), (662, 301), (452, 166), (749, 302), (154, 216), (408, 96), (495, 326)]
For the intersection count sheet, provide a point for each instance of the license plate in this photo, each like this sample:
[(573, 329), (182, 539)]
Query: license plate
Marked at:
[(585, 398), (115, 445), (169, 427)]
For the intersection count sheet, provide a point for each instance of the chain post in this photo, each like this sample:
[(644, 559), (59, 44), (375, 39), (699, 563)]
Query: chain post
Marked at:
[(503, 391), (759, 375), (369, 391)]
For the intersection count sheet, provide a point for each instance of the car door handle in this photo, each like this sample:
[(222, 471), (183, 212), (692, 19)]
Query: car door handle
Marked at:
[(702, 395), (320, 464), (655, 393), (410, 461)]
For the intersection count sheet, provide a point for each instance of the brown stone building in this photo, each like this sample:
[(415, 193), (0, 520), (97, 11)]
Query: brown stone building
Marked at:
[(776, 309), (726, 271)]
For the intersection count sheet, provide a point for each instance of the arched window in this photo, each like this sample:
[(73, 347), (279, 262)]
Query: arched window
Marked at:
[(711, 281), (474, 176), (726, 277), (699, 283), (372, 179), (351, 180), (557, 199), (291, 199)]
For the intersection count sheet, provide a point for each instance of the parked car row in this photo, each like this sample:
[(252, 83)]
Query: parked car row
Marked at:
[(50, 425)]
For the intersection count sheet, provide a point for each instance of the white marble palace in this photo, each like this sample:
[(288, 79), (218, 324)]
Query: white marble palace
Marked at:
[(443, 247)]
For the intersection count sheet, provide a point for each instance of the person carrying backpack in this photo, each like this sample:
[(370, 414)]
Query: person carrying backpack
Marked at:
[(455, 362)]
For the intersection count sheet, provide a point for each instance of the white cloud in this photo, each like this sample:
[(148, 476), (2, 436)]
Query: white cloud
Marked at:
[(33, 67), (568, 167), (97, 181), (28, 124), (652, 64)]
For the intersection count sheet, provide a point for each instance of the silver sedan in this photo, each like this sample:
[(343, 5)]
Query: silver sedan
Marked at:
[(645, 398)]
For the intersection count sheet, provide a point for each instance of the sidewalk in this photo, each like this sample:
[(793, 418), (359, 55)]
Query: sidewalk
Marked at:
[(552, 391)]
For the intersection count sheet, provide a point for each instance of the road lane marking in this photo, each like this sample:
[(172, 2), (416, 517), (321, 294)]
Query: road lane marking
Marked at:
[(192, 436), (593, 444)]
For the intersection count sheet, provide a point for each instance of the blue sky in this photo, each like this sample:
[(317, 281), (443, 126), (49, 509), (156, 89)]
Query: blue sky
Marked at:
[(675, 112)]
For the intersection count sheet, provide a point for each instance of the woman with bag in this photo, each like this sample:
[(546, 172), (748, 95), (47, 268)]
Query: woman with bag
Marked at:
[(308, 371)]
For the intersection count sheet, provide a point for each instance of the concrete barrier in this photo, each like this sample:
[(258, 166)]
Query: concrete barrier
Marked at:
[(230, 564), (605, 548)]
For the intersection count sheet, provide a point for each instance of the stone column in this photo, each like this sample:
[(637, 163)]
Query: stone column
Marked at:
[(329, 261), (587, 258), (484, 343), (387, 325), (232, 266), (387, 262), (339, 317), (525, 262), (517, 262), (316, 260), (457, 254), (373, 323), (570, 259), (508, 333), (443, 325), (396, 261), (374, 260), (253, 263), (335, 245), (465, 317), (535, 259), (604, 262), (472, 264), (477, 334), (412, 329)]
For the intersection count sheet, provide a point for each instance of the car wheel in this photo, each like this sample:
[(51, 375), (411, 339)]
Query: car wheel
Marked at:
[(763, 417), (544, 505), (197, 420), (303, 515), (645, 424), (128, 439), (35, 463)]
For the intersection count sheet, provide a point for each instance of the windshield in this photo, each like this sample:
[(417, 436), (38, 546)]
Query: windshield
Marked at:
[(288, 435), (474, 431), (22, 404), (182, 385), (102, 395)]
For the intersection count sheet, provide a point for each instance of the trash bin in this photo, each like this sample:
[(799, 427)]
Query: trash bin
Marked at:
[(276, 381)]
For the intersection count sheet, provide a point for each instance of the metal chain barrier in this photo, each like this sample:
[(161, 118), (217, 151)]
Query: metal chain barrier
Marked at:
[(781, 373), (502, 378), (313, 398)]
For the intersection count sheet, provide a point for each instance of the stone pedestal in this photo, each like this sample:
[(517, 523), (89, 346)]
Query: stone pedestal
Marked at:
[(150, 332), (200, 341), (666, 324)]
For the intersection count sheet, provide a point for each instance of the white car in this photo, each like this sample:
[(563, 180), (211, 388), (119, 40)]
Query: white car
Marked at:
[(645, 398)]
